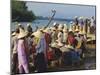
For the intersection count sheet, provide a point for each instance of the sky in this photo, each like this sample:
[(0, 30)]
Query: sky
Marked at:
[(62, 10)]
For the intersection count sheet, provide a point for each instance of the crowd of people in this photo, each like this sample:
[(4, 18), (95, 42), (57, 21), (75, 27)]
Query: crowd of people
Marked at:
[(49, 47)]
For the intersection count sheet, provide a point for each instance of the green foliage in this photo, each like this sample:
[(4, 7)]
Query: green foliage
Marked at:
[(20, 13)]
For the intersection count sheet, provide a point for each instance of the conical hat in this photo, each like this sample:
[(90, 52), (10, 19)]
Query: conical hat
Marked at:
[(65, 26), (60, 27), (53, 28), (28, 24), (13, 34), (47, 30), (19, 24), (75, 17), (71, 22), (80, 17), (37, 34), (54, 23), (21, 34)]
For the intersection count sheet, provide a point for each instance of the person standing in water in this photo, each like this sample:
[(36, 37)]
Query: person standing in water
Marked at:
[(22, 52), (60, 35), (41, 65)]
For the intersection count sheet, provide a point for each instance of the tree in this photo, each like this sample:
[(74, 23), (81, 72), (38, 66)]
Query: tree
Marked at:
[(20, 13)]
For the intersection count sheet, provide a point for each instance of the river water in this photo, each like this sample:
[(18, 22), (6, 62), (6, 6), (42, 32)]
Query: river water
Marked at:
[(40, 23)]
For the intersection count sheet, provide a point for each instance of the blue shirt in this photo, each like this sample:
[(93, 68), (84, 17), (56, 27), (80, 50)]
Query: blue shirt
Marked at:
[(41, 46)]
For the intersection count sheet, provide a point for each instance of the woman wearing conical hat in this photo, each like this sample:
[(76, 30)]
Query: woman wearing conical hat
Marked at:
[(65, 33), (47, 36), (22, 52), (41, 64), (54, 24), (65, 26), (54, 34), (60, 35), (60, 27)]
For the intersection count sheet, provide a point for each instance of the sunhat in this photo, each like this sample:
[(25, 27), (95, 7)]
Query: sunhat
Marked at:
[(81, 17), (60, 27), (65, 26), (47, 30), (19, 24), (75, 17), (13, 34), (54, 23), (71, 22), (22, 33), (53, 28), (37, 34), (28, 24)]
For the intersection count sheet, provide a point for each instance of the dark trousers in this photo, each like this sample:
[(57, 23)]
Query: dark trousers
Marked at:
[(40, 63), (15, 63)]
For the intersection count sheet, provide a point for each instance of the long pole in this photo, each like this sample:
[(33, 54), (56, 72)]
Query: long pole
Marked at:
[(54, 12)]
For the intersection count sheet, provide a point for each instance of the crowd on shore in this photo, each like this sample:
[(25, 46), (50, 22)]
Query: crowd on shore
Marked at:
[(51, 46)]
